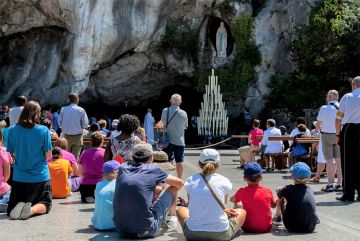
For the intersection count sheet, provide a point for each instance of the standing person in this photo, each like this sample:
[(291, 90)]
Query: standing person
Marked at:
[(348, 117), (14, 112), (135, 215), (175, 122), (31, 143), (326, 123), (72, 120), (149, 122), (207, 217), (55, 118)]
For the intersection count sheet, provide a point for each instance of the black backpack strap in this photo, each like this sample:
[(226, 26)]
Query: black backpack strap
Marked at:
[(335, 105)]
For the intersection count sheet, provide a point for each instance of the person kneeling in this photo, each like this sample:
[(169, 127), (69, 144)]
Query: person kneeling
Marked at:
[(135, 216), (104, 196)]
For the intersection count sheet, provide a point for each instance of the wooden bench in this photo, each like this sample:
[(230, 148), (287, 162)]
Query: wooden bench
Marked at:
[(87, 141)]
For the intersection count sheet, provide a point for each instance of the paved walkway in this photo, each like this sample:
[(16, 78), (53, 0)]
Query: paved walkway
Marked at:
[(70, 219)]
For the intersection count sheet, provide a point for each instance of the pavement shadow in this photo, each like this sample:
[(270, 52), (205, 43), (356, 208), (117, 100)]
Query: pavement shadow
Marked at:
[(3, 216), (87, 210), (72, 202), (282, 231), (320, 193), (333, 204)]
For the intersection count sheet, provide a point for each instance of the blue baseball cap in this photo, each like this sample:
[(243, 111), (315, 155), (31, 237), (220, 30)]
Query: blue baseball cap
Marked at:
[(110, 166), (252, 171), (300, 171)]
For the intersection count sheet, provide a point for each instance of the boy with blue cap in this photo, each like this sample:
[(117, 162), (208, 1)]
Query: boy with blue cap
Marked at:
[(299, 214), (256, 200), (104, 194)]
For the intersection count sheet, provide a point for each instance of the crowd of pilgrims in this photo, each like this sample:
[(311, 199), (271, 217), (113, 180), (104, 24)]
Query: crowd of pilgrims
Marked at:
[(130, 184)]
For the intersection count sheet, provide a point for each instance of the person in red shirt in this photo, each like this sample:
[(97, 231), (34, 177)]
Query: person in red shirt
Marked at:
[(256, 200)]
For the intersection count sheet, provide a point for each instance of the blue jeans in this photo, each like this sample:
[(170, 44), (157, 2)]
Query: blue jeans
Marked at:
[(160, 211), (4, 198)]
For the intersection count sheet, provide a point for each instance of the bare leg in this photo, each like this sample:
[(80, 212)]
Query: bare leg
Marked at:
[(182, 214), (338, 168), (241, 217), (330, 170), (172, 209), (179, 169), (319, 169)]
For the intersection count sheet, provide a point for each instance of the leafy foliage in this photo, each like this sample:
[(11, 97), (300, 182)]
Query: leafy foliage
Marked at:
[(327, 54), (180, 40)]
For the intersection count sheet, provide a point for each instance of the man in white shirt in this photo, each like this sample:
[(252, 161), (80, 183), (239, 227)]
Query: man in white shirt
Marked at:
[(348, 132), (72, 120), (271, 146), (326, 123), (15, 112)]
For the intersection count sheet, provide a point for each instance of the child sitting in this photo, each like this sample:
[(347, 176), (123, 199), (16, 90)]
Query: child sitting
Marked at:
[(60, 170), (299, 214), (5, 189), (104, 195), (256, 200)]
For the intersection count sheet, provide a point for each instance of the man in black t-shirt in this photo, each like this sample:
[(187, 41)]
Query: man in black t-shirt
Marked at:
[(299, 213)]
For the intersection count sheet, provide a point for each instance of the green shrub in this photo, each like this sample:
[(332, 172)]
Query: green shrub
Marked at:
[(180, 40)]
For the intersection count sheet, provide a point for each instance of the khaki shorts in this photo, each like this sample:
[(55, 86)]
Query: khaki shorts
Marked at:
[(202, 235), (329, 146)]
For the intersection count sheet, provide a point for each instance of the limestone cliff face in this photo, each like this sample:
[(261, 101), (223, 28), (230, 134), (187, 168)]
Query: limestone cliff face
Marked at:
[(105, 50)]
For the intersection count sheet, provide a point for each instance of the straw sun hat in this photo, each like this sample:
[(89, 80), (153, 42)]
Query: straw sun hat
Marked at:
[(161, 160)]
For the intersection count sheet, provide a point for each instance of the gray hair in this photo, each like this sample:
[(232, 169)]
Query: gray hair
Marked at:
[(176, 97), (333, 94), (271, 122), (356, 81)]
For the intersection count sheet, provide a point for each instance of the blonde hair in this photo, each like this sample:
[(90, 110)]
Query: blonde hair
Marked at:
[(208, 168)]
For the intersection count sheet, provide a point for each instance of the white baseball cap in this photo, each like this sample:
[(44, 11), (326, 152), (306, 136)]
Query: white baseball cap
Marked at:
[(115, 122), (209, 155)]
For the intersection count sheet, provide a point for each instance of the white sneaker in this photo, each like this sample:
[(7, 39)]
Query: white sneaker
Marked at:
[(171, 223)]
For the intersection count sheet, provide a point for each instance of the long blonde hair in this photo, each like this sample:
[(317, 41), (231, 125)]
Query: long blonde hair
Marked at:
[(208, 168)]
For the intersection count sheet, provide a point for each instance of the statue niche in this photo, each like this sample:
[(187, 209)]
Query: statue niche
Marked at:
[(221, 41)]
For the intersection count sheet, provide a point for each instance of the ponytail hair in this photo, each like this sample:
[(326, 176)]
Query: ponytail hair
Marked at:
[(56, 153), (208, 168)]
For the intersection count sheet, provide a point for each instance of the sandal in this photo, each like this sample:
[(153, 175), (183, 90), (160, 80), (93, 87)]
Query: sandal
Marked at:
[(314, 180)]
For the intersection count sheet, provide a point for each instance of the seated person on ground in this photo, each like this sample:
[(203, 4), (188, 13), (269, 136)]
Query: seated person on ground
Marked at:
[(299, 213), (91, 162), (60, 170), (272, 147), (135, 216), (75, 175), (256, 200), (206, 218), (102, 218)]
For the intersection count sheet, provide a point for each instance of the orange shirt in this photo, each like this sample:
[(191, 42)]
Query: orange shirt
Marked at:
[(59, 174)]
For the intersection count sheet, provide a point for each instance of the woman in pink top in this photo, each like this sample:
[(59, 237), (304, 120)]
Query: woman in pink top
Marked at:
[(247, 153), (5, 161), (91, 162)]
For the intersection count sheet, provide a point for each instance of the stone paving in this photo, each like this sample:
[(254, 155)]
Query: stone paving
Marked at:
[(70, 219)]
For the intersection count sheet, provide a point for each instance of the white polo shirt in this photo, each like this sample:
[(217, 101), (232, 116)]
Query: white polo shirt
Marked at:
[(272, 146), (349, 108), (327, 116)]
